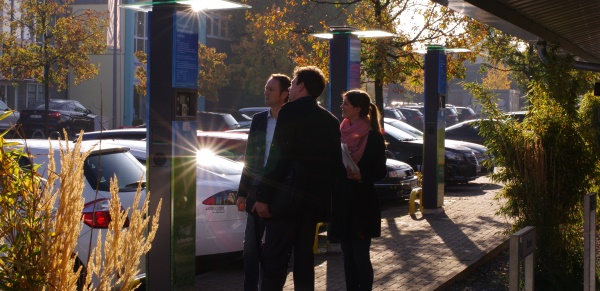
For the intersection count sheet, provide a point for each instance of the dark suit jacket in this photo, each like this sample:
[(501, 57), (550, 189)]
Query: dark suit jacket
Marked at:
[(306, 136), (255, 153)]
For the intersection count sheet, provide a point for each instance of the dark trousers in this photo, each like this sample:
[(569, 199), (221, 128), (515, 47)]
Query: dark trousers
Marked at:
[(281, 236), (357, 264), (252, 244)]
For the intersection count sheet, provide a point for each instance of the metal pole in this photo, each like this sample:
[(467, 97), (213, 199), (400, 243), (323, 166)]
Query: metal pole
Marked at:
[(114, 103), (589, 239)]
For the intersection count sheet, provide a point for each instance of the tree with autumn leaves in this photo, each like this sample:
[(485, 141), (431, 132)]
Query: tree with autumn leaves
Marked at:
[(45, 40), (286, 23), (212, 72)]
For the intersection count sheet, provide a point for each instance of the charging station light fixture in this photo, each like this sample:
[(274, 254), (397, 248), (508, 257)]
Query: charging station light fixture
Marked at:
[(358, 33), (196, 5), (440, 47)]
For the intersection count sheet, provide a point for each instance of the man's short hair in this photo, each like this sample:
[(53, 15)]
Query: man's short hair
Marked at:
[(284, 81), (313, 79)]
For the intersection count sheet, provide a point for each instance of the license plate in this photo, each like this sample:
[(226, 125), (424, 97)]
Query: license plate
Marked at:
[(35, 116)]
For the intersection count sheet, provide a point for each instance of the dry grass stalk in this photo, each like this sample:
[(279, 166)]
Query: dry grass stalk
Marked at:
[(66, 224)]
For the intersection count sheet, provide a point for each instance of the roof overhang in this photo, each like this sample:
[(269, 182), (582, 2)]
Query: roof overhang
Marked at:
[(574, 24)]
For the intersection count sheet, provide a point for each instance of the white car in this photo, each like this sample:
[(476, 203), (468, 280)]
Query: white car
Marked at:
[(219, 225), (99, 167)]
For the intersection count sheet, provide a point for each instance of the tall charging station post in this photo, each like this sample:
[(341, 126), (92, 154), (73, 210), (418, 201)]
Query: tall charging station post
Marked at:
[(171, 137), (344, 65), (172, 144), (434, 135)]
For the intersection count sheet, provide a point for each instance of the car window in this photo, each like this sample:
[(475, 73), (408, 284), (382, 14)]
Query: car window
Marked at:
[(100, 168), (397, 133), (76, 106), (3, 106)]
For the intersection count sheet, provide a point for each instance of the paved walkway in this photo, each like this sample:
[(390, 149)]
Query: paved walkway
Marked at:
[(414, 253)]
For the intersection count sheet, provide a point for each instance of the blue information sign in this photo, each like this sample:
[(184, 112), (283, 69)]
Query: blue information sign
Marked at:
[(185, 51)]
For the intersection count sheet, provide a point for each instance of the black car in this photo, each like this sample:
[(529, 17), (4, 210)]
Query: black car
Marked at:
[(69, 115), (461, 164), (216, 121), (414, 117), (450, 114), (465, 131), (464, 113), (484, 158), (393, 113)]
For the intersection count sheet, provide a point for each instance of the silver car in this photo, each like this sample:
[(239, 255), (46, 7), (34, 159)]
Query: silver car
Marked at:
[(10, 120)]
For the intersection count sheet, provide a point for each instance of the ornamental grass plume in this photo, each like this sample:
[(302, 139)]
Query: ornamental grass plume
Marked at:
[(66, 225), (123, 247), (40, 226)]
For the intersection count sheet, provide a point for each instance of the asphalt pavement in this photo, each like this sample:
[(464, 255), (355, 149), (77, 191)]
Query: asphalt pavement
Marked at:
[(420, 252)]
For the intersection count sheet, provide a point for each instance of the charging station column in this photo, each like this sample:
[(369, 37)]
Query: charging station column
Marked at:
[(434, 135), (171, 144), (344, 66)]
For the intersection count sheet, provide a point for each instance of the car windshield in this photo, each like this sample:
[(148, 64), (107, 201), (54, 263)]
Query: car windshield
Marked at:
[(407, 128), (469, 123), (397, 133), (51, 105), (207, 160), (100, 168)]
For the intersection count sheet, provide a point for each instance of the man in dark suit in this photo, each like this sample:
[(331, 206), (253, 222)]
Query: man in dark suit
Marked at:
[(306, 147), (257, 151)]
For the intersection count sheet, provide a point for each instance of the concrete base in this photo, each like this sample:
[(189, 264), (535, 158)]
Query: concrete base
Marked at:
[(433, 211)]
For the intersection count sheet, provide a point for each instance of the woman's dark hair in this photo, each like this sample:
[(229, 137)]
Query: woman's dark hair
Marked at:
[(362, 100)]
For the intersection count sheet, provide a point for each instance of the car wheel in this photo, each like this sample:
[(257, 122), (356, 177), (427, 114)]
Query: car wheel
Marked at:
[(69, 131), (38, 133), (54, 135)]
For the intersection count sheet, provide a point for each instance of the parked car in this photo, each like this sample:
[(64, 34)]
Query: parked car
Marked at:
[(104, 162), (214, 121), (250, 111), (450, 114), (461, 165), (10, 120), (125, 133), (219, 225), (466, 131), (414, 117), (398, 183), (226, 144), (393, 113), (242, 119), (464, 113), (484, 159), (69, 115)]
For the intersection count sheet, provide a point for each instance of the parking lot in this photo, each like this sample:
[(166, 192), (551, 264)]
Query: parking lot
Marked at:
[(413, 253)]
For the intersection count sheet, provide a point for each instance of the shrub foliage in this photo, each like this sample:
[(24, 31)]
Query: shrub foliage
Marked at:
[(547, 164)]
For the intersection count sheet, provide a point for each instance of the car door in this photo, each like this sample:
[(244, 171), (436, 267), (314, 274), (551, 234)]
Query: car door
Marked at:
[(81, 118)]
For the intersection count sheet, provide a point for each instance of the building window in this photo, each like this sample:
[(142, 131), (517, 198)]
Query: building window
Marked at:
[(217, 26), (140, 36)]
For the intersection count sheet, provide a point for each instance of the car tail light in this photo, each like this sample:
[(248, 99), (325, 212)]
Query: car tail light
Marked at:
[(54, 115), (226, 197), (96, 214)]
